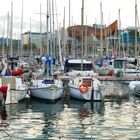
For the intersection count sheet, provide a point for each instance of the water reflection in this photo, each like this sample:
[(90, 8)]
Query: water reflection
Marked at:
[(71, 119), (3, 117), (26, 120), (74, 120), (97, 120)]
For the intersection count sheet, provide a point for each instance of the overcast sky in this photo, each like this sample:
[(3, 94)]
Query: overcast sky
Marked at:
[(91, 12)]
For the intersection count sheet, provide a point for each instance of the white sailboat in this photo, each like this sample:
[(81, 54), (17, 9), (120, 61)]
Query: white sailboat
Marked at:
[(50, 88), (85, 87), (73, 68), (47, 89), (12, 89)]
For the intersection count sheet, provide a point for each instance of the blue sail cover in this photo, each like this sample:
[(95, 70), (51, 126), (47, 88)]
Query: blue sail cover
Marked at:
[(48, 81), (7, 73), (100, 63)]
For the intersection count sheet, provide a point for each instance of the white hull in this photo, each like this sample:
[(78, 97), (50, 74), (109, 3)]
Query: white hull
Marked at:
[(47, 93), (83, 73), (16, 91), (51, 91), (15, 96), (131, 72), (135, 87), (75, 93), (97, 94)]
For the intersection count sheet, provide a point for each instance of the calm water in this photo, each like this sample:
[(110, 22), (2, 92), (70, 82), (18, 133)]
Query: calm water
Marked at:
[(69, 119)]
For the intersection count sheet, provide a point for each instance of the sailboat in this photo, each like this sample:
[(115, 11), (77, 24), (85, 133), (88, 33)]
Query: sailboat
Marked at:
[(135, 87), (50, 88), (85, 87), (12, 90)]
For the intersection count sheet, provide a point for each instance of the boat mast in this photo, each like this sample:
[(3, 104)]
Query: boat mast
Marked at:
[(108, 35), (47, 26), (101, 31), (30, 39), (7, 42), (95, 45), (86, 39), (69, 26), (3, 41), (119, 32), (50, 45), (54, 53), (59, 44), (11, 31), (51, 54), (40, 36), (64, 46), (21, 28), (82, 22), (135, 28)]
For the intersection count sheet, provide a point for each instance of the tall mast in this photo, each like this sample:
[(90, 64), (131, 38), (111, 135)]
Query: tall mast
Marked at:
[(101, 31), (64, 48), (47, 26), (40, 36), (119, 38), (85, 39), (21, 45), (73, 40), (11, 31), (53, 28), (135, 28), (3, 41), (7, 41), (107, 32), (69, 13), (68, 47), (59, 44), (82, 23), (50, 27), (30, 39)]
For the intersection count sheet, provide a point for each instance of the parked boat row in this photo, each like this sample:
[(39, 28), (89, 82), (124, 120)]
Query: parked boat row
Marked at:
[(42, 80)]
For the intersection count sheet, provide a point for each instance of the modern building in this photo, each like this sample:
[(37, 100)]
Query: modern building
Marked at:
[(36, 40)]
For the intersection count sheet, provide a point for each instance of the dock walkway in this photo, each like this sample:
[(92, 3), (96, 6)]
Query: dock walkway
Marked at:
[(108, 78)]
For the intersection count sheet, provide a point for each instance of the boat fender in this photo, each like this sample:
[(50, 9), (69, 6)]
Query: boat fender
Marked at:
[(34, 77), (83, 88), (4, 89)]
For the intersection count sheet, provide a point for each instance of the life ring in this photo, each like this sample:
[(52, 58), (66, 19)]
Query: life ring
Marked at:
[(34, 77), (83, 88)]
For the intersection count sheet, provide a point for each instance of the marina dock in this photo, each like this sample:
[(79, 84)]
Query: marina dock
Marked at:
[(108, 78)]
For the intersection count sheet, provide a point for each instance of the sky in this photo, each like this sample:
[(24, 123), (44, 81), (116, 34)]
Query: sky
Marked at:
[(31, 9)]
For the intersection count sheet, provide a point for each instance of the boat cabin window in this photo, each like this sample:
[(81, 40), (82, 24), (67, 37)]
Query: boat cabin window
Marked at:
[(87, 81), (119, 64), (77, 66)]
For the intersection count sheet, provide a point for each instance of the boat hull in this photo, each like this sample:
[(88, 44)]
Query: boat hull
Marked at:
[(48, 93), (14, 96), (135, 87), (16, 89), (95, 95)]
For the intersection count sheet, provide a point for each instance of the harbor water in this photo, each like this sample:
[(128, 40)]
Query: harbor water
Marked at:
[(116, 118)]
